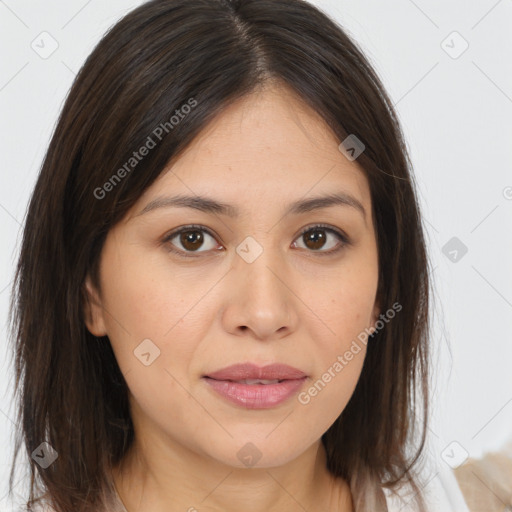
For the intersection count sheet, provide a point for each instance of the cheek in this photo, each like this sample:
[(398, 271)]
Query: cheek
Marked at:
[(139, 304), (139, 294), (326, 396), (344, 304)]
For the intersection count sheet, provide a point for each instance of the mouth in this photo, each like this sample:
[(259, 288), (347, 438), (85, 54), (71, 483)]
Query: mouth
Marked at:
[(252, 387)]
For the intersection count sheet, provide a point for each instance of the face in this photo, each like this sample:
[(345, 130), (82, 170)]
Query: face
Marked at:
[(261, 286)]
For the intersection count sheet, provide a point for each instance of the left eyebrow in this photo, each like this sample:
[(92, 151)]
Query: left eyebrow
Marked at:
[(210, 205)]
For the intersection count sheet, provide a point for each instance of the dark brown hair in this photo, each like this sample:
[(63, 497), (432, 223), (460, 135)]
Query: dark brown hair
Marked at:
[(70, 390)]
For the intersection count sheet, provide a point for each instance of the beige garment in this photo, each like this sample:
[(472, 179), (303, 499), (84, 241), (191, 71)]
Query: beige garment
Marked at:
[(486, 483)]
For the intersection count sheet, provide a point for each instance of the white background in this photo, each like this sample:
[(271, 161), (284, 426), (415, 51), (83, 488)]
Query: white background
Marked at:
[(457, 117)]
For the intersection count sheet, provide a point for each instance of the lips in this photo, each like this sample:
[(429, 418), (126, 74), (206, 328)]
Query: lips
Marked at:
[(252, 387), (250, 373)]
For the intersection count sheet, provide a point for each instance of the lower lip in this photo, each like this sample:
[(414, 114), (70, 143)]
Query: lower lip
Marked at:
[(256, 396)]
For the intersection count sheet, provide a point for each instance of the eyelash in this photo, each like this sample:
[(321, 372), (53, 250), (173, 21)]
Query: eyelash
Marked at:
[(345, 241)]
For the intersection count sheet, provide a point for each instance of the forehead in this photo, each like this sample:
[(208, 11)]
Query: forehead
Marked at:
[(265, 146)]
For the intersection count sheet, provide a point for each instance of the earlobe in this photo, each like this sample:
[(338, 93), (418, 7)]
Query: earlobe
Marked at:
[(93, 311)]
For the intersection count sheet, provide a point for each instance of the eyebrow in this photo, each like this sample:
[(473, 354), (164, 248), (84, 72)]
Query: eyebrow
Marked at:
[(210, 205)]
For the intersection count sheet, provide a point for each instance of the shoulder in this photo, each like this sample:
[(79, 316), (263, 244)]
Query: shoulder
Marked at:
[(440, 491), (487, 482)]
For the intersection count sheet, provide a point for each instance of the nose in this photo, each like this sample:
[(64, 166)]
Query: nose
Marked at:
[(259, 300)]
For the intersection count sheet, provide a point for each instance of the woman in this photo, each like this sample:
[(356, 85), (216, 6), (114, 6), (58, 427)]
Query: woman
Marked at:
[(222, 294)]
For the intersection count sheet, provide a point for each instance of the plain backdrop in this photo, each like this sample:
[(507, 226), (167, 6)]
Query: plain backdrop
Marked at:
[(446, 66)]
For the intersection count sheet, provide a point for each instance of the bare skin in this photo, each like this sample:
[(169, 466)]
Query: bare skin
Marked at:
[(291, 304)]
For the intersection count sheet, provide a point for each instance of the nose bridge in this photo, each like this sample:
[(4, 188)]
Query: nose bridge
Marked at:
[(259, 260), (259, 298)]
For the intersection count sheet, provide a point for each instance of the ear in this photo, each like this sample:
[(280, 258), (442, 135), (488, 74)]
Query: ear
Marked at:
[(375, 315), (93, 310)]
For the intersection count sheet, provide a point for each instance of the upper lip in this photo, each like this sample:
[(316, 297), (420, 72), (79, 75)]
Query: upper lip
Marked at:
[(252, 371)]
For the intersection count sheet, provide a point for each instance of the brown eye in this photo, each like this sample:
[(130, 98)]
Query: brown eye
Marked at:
[(314, 239), (190, 239), (317, 237)]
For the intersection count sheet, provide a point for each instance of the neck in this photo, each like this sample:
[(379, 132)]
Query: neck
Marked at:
[(158, 478)]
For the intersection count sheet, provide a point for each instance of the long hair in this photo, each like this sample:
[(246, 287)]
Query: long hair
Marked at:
[(206, 54)]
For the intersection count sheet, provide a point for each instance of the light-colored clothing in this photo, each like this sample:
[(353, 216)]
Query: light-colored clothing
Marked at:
[(487, 482), (441, 493)]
